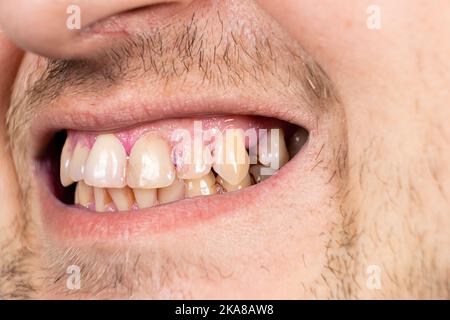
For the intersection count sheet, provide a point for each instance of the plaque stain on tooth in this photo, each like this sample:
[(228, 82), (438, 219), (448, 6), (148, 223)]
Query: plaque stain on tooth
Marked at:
[(149, 164)]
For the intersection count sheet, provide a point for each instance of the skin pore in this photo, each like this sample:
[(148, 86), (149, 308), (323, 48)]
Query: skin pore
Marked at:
[(378, 194)]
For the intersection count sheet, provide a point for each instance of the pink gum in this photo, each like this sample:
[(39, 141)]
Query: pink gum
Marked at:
[(165, 129)]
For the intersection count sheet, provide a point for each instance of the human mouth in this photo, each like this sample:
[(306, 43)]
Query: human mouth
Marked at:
[(140, 174), (168, 161)]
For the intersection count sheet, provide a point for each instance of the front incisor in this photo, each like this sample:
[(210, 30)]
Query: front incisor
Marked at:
[(231, 160), (106, 163), (150, 165)]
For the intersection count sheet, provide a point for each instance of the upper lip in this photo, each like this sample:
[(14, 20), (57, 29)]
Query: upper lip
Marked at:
[(118, 112)]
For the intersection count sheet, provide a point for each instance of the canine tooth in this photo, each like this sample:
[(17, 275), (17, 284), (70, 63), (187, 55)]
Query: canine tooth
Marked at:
[(272, 149), (145, 198), (172, 193), (149, 164), (247, 181), (122, 197), (261, 173), (106, 163), (195, 161), (78, 161), (84, 194), (66, 156), (102, 199), (231, 160), (203, 186), (297, 141)]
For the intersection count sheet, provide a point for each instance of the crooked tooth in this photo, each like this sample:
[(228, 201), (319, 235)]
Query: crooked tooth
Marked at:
[(172, 193), (149, 165), (194, 161), (106, 163), (231, 160), (145, 198), (122, 197), (84, 194), (78, 161), (66, 156), (102, 200), (203, 186), (261, 173), (272, 149), (247, 181), (297, 141)]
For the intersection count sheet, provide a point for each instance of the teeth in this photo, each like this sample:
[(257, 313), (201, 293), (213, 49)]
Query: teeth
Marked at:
[(102, 200), (84, 194), (247, 181), (231, 158), (203, 186), (106, 164), (65, 165), (194, 162), (272, 149), (172, 193), (297, 141), (145, 198), (78, 161), (150, 165), (261, 173), (122, 197)]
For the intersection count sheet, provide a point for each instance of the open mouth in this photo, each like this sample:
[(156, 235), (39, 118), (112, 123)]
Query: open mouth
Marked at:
[(167, 161)]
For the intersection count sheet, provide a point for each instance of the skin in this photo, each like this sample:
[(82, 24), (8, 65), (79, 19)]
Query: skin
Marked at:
[(387, 138)]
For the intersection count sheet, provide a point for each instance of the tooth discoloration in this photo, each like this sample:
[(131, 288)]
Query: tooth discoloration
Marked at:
[(203, 186), (102, 200), (172, 193), (84, 195), (109, 180), (146, 198), (149, 165), (231, 160), (123, 198), (246, 182)]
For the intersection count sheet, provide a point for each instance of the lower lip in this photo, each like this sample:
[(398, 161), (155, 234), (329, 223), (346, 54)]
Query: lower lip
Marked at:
[(68, 223)]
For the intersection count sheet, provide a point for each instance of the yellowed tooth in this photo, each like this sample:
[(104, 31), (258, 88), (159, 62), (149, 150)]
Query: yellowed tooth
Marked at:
[(102, 199), (84, 194), (297, 141), (172, 193), (149, 165), (231, 160), (123, 198), (64, 169), (106, 163), (203, 186), (195, 161), (247, 181), (78, 161), (261, 173), (272, 150), (145, 198)]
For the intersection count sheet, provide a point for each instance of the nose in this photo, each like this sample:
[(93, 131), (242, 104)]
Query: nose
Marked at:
[(55, 28)]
